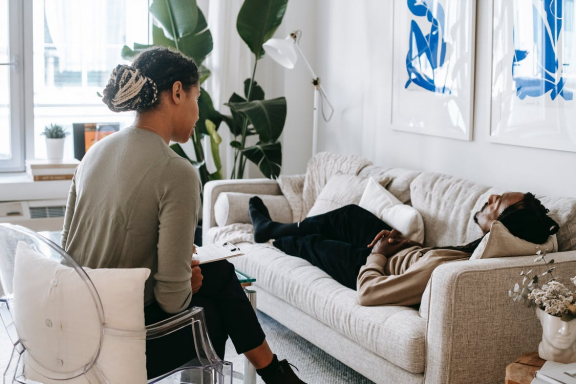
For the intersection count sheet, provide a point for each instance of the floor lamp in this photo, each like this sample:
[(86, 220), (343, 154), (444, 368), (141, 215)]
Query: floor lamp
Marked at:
[(284, 52)]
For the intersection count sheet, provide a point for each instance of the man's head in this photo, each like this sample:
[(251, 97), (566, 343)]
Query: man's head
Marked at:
[(522, 214)]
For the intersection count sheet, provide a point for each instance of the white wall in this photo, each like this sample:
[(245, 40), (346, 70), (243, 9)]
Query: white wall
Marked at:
[(350, 46)]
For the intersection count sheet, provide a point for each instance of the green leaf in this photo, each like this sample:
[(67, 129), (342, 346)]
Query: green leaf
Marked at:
[(257, 91), (235, 121), (268, 157), (159, 38), (129, 54), (197, 46), (178, 149), (206, 112), (235, 144), (267, 116), (257, 22), (215, 141), (551, 261), (178, 17), (204, 73)]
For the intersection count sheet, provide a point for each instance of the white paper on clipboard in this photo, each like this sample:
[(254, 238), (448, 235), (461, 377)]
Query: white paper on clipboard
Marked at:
[(216, 252)]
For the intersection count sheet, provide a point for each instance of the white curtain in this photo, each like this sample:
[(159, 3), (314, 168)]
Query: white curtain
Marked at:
[(81, 31), (231, 62)]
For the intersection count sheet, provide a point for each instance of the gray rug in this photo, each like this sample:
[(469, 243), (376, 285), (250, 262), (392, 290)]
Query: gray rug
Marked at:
[(315, 366)]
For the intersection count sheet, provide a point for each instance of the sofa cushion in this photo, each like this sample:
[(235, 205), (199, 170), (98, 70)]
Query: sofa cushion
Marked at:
[(563, 210), (395, 333), (446, 204), (339, 191), (399, 180), (232, 208)]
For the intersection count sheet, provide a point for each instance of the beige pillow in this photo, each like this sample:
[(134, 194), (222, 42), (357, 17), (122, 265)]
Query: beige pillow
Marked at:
[(388, 208), (339, 191), (499, 242), (232, 208), (57, 319)]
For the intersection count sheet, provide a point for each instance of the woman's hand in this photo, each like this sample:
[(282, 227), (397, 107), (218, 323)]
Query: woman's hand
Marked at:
[(196, 280)]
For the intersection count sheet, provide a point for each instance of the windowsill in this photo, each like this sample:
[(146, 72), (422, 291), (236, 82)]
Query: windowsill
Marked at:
[(19, 186)]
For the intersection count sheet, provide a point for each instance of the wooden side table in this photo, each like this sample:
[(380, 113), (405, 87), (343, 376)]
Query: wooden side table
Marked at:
[(522, 371)]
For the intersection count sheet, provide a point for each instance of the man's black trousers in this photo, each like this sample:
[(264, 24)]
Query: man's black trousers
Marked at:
[(335, 242), (227, 311)]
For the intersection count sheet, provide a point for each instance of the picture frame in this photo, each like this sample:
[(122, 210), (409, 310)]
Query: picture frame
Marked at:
[(533, 85), (433, 67), (87, 134)]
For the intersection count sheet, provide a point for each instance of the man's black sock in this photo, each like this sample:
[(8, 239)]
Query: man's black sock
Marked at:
[(264, 228)]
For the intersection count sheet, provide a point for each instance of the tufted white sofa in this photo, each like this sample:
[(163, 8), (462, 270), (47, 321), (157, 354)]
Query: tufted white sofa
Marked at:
[(466, 330)]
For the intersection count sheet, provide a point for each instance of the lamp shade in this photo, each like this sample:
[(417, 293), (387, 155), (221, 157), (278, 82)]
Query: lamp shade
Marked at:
[(282, 51)]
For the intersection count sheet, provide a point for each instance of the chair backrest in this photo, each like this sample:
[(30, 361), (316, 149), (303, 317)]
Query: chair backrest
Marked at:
[(51, 300)]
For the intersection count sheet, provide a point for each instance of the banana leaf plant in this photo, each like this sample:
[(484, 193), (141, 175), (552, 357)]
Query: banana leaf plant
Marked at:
[(180, 24), (253, 114)]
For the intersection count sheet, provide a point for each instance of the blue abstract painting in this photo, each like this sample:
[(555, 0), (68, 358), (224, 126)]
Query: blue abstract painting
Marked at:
[(547, 73), (427, 53)]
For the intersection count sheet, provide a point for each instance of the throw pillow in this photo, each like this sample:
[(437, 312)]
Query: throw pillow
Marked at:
[(56, 317), (339, 191), (389, 209), (499, 242), (232, 208)]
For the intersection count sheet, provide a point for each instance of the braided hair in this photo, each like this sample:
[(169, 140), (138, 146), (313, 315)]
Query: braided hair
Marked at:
[(137, 87), (527, 219)]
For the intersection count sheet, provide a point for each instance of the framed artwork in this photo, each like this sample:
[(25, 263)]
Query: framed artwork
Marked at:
[(534, 74), (433, 67), (87, 134)]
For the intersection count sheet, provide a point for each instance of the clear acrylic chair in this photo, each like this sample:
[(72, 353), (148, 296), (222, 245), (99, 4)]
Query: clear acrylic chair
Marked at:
[(207, 367)]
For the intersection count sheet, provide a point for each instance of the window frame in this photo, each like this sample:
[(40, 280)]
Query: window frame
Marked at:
[(16, 63)]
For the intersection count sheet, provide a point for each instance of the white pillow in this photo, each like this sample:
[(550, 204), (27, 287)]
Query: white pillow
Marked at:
[(232, 208), (57, 319), (499, 242), (389, 209), (339, 191)]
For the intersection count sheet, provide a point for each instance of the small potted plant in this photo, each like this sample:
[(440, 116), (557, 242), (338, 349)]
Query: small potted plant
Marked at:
[(55, 136)]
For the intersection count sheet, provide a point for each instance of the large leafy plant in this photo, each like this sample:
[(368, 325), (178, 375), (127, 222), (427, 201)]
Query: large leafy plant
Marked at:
[(253, 115), (183, 27)]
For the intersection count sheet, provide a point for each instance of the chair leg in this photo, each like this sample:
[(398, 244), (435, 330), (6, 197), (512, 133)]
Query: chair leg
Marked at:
[(249, 370)]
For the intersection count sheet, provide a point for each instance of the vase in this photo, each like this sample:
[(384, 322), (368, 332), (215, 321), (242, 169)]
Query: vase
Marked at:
[(55, 149), (558, 338)]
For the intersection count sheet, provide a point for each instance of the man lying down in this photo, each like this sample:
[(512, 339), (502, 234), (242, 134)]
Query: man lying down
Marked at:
[(362, 252)]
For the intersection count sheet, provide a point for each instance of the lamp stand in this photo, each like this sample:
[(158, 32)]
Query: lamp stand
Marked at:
[(316, 83)]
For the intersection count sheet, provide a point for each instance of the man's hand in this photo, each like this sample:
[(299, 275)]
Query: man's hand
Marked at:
[(196, 280), (388, 243), (384, 233)]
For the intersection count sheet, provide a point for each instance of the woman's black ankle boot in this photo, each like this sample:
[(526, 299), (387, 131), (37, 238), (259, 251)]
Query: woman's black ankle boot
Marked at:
[(279, 372)]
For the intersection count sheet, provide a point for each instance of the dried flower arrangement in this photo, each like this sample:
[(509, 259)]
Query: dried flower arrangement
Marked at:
[(553, 297)]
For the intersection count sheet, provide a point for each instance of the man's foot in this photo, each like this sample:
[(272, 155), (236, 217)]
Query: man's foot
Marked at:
[(261, 219), (280, 373)]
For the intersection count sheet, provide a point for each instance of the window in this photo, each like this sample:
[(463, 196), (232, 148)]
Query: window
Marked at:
[(11, 136), (74, 46)]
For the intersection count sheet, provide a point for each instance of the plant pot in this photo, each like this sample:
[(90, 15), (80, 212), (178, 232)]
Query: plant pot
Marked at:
[(558, 338), (55, 149)]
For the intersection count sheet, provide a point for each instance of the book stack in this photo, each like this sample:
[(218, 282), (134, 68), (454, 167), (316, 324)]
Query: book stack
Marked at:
[(556, 373), (46, 170)]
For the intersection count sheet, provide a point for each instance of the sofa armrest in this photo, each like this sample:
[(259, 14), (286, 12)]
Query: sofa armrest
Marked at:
[(213, 188), (474, 329)]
